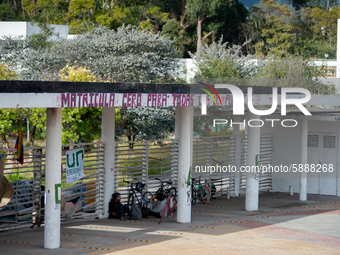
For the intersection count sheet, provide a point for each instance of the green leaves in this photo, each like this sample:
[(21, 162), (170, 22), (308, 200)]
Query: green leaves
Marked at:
[(149, 123)]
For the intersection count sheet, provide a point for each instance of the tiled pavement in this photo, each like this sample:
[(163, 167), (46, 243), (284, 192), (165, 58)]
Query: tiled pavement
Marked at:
[(283, 225)]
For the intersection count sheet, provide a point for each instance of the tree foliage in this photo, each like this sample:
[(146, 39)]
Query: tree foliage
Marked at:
[(111, 56), (149, 123)]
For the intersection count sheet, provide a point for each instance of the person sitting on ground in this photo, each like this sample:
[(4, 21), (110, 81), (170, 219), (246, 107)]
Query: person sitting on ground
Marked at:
[(158, 206), (116, 209)]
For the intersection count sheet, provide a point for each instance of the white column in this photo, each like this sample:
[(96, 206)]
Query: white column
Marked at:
[(253, 156), (53, 178), (304, 154), (236, 133), (338, 52), (185, 148), (108, 136), (177, 120)]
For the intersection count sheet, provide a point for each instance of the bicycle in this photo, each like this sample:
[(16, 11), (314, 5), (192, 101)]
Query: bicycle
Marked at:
[(166, 189), (145, 198), (170, 205), (203, 192)]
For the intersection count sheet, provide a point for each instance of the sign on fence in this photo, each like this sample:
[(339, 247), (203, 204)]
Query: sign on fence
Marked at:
[(74, 165)]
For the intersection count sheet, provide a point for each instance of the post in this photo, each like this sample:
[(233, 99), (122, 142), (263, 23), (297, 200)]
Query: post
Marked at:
[(252, 185), (145, 165), (53, 178), (108, 136), (185, 163), (236, 133), (338, 51), (37, 163), (304, 154), (174, 158)]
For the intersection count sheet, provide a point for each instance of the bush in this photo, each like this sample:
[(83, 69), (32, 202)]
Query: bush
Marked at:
[(6, 73)]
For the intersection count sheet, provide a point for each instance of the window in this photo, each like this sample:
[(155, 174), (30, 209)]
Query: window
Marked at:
[(329, 141), (313, 141)]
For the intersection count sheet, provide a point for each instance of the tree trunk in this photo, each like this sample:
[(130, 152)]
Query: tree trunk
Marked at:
[(328, 5), (22, 7), (199, 37), (131, 138), (184, 3), (31, 141), (15, 8)]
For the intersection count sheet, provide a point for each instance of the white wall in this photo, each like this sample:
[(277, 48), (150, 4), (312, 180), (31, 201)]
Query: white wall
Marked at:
[(9, 28), (12, 28), (287, 149)]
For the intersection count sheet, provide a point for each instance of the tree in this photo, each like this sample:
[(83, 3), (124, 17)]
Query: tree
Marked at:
[(6, 73), (123, 55), (270, 30), (172, 29), (219, 16), (219, 61), (146, 123), (198, 11), (322, 23), (276, 38)]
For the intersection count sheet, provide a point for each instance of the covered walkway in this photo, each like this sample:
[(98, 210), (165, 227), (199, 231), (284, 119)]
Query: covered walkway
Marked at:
[(281, 226)]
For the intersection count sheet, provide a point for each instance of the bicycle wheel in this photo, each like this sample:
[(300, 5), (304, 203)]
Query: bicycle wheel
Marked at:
[(205, 193), (165, 208), (159, 191), (172, 202), (194, 195), (146, 199), (171, 192), (130, 200)]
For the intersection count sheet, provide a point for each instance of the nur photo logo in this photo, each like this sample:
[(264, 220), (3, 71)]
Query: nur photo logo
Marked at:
[(239, 103)]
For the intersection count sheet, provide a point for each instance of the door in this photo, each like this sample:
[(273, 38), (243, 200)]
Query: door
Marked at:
[(329, 161), (323, 154), (313, 158)]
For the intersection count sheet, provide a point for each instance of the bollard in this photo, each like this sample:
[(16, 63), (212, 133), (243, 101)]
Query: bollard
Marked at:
[(291, 190)]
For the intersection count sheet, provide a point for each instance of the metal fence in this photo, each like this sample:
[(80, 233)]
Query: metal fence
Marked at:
[(218, 152), (266, 158), (144, 161), (85, 197), (134, 161)]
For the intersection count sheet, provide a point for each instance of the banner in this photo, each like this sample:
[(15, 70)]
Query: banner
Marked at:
[(74, 165), (19, 145)]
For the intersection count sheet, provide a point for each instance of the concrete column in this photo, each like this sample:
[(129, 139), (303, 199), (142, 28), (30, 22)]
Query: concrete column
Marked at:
[(253, 157), (304, 154), (108, 136), (338, 52), (185, 148), (53, 178), (236, 133), (177, 120)]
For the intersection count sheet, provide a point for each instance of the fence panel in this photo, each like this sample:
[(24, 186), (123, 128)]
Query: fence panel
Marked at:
[(26, 206), (218, 152), (266, 158), (143, 161)]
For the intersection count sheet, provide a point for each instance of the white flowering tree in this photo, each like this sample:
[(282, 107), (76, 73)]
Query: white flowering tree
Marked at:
[(127, 54)]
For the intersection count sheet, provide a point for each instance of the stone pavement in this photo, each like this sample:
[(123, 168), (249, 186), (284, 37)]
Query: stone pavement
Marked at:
[(283, 225)]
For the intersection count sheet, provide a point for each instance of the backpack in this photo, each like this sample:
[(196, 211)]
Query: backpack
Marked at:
[(136, 213), (145, 211)]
